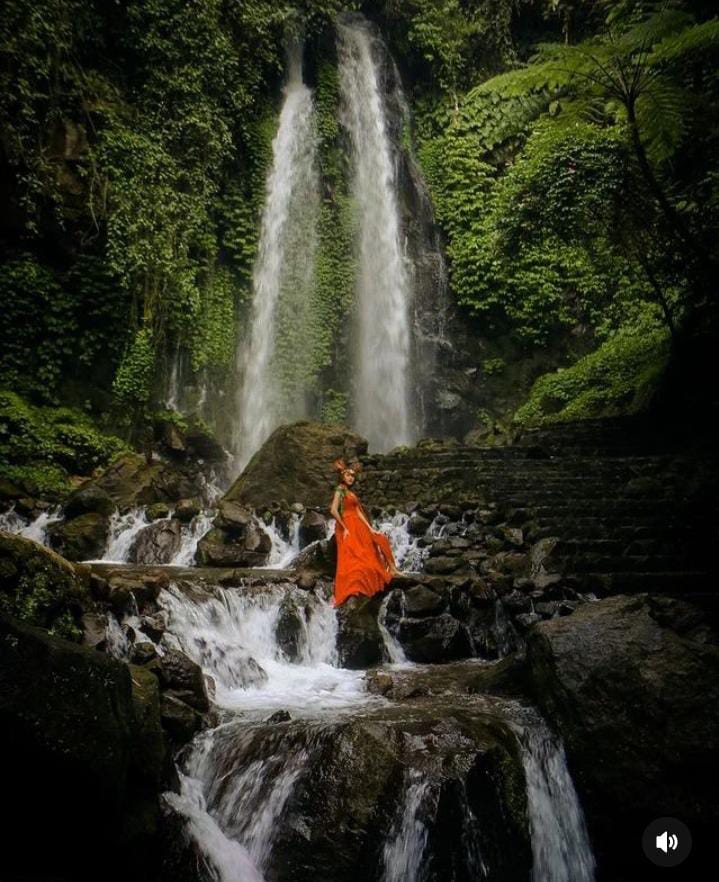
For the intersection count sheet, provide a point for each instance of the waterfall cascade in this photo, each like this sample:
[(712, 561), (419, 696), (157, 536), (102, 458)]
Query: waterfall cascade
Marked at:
[(382, 407), (287, 229), (295, 730)]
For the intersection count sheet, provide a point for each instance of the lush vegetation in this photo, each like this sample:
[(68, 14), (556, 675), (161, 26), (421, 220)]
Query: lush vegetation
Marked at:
[(578, 190), (569, 146)]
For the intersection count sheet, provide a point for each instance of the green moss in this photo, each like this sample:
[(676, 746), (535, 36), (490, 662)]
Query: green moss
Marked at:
[(40, 447), (618, 378)]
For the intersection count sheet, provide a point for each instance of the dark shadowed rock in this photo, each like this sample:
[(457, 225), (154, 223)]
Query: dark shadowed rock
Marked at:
[(186, 510), (233, 517), (178, 672), (359, 640), (632, 684), (421, 601), (42, 588), (73, 716), (436, 639), (295, 464), (157, 543), (89, 498), (313, 527), (81, 538), (179, 719)]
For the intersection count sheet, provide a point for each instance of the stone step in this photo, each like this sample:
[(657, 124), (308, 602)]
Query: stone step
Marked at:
[(593, 563), (622, 582)]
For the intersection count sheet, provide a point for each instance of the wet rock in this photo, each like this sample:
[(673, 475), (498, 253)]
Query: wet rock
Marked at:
[(434, 640), (179, 673), (157, 543), (233, 517), (94, 630), (313, 527), (157, 511), (179, 719), (421, 601), (545, 567), (637, 704), (87, 499), (453, 512), (142, 653), (295, 463), (290, 626), (442, 565), (40, 587), (68, 715), (306, 580), (359, 640), (186, 510), (154, 625), (280, 716), (81, 538), (526, 620), (319, 557), (219, 548)]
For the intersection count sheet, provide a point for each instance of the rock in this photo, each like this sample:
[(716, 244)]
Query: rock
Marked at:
[(319, 557), (296, 463), (442, 565), (68, 714), (186, 510), (421, 601), (82, 538), (40, 587), (219, 548), (202, 444), (178, 672), (453, 512), (636, 700), (94, 630), (290, 626), (313, 527), (233, 517), (88, 498), (154, 626), (545, 568), (179, 719), (142, 653), (434, 640), (526, 620), (158, 543), (280, 716), (359, 640), (306, 580), (158, 511)]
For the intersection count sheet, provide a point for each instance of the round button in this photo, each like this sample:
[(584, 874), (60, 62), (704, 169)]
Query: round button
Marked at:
[(667, 842)]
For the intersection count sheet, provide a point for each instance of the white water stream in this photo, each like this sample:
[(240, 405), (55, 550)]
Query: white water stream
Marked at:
[(382, 360), (291, 196)]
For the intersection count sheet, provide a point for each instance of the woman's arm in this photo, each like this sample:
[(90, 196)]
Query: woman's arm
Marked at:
[(335, 511)]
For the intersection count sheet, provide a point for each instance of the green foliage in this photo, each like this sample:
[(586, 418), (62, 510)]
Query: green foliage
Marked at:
[(40, 447), (133, 381), (619, 377), (334, 406)]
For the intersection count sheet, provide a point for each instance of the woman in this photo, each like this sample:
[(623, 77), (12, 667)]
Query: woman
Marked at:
[(365, 563)]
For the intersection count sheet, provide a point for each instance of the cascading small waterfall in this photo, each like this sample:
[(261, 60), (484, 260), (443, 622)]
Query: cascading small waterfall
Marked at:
[(381, 405), (292, 197), (560, 842), (36, 529), (404, 849)]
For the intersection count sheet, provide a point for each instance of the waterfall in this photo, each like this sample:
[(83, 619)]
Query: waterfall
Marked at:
[(382, 358), (393, 648), (560, 842), (404, 849), (12, 522), (284, 262)]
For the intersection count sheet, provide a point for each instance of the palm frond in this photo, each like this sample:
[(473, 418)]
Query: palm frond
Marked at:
[(693, 39), (662, 111)]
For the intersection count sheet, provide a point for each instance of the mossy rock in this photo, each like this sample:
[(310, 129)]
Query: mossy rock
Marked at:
[(295, 464), (42, 588), (81, 538)]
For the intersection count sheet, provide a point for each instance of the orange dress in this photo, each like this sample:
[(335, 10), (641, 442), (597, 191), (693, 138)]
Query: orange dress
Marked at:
[(361, 568)]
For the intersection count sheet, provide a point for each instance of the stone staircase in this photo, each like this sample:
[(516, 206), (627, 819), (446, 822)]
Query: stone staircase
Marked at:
[(631, 509)]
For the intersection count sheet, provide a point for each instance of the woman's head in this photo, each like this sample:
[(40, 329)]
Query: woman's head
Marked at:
[(348, 473)]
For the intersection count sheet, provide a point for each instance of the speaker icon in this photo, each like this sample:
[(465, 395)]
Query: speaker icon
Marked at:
[(667, 841)]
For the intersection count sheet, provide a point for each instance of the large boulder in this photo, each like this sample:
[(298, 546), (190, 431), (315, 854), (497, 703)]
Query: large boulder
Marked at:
[(42, 588), (295, 465), (632, 685), (359, 640), (434, 639), (81, 538), (86, 760), (157, 543), (223, 548), (88, 498)]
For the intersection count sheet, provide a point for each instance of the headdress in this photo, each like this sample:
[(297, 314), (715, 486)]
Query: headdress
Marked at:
[(341, 465)]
